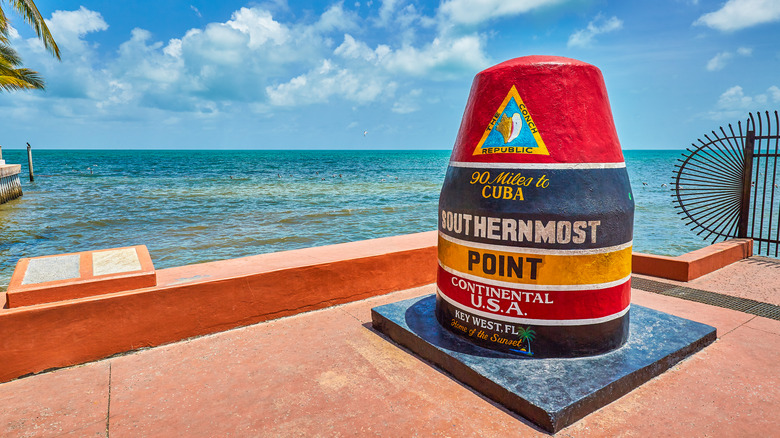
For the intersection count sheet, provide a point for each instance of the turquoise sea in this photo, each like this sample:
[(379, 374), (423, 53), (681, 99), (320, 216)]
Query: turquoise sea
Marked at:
[(197, 206)]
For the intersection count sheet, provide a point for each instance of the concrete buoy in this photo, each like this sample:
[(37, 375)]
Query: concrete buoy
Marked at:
[(536, 214)]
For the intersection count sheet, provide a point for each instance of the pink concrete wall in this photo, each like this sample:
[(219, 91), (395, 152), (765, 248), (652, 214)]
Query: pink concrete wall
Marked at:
[(694, 264), (210, 297)]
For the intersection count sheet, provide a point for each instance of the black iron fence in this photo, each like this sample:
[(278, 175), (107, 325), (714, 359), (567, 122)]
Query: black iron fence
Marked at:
[(726, 186)]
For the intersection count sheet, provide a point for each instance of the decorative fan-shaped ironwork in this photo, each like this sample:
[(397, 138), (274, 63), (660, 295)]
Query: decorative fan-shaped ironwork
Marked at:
[(708, 183), (726, 185)]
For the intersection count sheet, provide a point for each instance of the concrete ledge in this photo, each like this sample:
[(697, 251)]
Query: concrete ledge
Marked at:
[(210, 297), (10, 169), (694, 264), (95, 273), (10, 186)]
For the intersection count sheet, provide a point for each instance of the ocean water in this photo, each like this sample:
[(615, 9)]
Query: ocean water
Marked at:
[(197, 206)]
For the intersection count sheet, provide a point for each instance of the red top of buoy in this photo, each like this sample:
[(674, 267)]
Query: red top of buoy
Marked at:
[(538, 109)]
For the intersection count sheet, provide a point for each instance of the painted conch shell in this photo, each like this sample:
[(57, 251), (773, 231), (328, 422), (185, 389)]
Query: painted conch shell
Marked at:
[(510, 128)]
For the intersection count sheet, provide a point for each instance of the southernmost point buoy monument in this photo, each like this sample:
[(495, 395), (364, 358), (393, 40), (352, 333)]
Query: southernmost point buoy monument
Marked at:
[(533, 294), (536, 214)]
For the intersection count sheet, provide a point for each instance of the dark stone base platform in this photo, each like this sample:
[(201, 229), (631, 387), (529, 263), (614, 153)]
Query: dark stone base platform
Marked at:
[(553, 393)]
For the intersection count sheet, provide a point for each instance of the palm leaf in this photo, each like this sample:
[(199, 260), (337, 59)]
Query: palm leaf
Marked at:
[(9, 56), (19, 79), (3, 25), (30, 14)]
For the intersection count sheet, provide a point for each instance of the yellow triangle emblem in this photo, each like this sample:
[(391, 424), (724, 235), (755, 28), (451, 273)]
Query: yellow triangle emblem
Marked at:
[(511, 130)]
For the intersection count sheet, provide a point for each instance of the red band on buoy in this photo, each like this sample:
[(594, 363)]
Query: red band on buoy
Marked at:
[(539, 306)]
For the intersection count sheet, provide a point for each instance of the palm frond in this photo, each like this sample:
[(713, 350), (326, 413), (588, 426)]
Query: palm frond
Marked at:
[(30, 14), (20, 79), (9, 56), (3, 24)]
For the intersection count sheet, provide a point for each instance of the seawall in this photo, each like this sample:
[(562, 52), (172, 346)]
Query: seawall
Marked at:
[(10, 186)]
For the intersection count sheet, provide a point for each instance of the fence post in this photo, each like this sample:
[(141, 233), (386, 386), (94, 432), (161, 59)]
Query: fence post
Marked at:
[(747, 178)]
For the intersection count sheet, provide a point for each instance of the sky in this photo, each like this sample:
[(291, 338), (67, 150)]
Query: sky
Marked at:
[(377, 74)]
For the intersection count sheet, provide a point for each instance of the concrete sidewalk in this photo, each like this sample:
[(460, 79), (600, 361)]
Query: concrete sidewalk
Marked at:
[(327, 373)]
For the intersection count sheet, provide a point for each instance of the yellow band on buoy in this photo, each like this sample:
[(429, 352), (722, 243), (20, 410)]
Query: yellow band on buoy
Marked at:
[(543, 269)]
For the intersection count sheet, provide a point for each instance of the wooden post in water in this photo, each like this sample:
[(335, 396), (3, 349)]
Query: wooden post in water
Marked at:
[(29, 162), (1, 152)]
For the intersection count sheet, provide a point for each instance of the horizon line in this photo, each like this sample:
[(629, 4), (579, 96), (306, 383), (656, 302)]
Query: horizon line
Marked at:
[(7, 148)]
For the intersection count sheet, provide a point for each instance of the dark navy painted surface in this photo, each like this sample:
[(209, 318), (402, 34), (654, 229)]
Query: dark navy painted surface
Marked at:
[(572, 195), (552, 393)]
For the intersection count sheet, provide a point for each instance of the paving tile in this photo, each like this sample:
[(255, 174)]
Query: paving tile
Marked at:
[(115, 261), (94, 430), (755, 278), (361, 310), (765, 324), (52, 269), (316, 374), (725, 320), (72, 401), (730, 389)]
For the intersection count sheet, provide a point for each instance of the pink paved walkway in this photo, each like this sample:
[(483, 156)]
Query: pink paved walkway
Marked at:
[(327, 373), (756, 278)]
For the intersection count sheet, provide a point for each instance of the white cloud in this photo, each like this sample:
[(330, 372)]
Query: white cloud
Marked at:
[(69, 27), (117, 93), (13, 34), (735, 97), (599, 25), (734, 103), (218, 45), (173, 49), (354, 49), (336, 19), (443, 58), (259, 25), (471, 12), (370, 73), (328, 80), (774, 91), (739, 14), (719, 61), (386, 11), (404, 22), (76, 76), (253, 62), (408, 103)]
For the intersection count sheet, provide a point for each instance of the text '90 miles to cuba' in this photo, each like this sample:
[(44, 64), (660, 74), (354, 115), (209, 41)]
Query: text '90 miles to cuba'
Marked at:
[(506, 185)]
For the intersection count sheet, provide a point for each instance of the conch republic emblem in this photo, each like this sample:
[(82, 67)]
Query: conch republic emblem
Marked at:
[(536, 215)]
